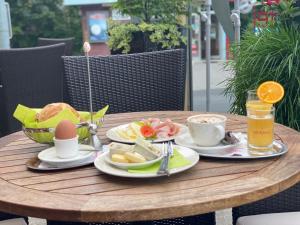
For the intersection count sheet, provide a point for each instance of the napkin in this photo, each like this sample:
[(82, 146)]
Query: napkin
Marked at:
[(177, 161), (27, 116)]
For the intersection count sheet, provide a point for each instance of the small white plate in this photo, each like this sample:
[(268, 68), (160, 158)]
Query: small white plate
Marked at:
[(126, 166), (187, 141), (49, 156), (105, 167), (112, 134)]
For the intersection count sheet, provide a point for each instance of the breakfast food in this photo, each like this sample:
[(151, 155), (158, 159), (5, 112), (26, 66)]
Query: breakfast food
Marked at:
[(65, 130), (53, 109), (141, 152), (146, 149), (149, 129)]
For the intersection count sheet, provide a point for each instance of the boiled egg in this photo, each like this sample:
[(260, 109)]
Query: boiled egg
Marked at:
[(65, 130)]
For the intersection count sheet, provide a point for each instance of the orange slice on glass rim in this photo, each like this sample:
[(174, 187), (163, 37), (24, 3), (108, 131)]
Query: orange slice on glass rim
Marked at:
[(270, 92)]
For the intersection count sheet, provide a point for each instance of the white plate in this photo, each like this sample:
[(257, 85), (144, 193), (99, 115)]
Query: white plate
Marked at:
[(36, 164), (126, 166), (105, 167), (49, 156), (111, 134), (187, 141)]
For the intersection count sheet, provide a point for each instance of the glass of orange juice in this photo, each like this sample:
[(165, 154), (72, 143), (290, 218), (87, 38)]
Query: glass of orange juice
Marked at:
[(260, 118)]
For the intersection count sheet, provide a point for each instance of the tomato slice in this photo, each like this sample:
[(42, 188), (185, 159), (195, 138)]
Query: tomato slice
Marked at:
[(147, 131)]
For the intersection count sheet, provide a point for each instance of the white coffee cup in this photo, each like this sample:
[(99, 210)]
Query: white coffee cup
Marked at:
[(66, 148), (207, 129)]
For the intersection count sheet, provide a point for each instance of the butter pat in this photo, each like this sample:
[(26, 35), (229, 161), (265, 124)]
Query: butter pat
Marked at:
[(119, 158)]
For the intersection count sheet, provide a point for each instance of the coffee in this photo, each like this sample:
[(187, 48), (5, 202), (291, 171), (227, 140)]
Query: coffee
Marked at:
[(207, 129), (206, 119)]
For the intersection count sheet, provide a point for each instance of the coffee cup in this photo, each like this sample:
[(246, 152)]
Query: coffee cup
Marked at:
[(66, 148), (207, 129)]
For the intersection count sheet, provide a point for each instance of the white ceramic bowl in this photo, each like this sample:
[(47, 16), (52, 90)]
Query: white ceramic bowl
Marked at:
[(126, 166)]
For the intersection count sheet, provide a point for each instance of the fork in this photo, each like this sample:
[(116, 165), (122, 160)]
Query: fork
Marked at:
[(163, 169)]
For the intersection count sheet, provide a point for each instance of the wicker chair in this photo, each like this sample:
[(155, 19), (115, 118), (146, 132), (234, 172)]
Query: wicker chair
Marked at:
[(149, 81), (286, 201), (205, 219), (52, 41), (29, 76), (128, 83)]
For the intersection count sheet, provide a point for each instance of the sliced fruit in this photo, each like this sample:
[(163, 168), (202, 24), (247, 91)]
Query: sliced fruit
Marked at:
[(270, 92)]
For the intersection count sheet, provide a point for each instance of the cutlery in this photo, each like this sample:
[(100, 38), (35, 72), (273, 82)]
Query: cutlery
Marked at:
[(171, 149), (163, 169)]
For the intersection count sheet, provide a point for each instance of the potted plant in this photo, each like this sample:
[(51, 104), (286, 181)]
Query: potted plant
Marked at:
[(271, 54), (157, 26)]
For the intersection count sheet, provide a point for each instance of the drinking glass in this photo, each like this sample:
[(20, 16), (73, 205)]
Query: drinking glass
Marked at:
[(260, 119)]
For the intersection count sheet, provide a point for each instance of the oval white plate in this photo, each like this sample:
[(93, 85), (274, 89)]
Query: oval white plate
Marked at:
[(187, 141), (112, 134), (126, 166), (49, 156), (105, 167)]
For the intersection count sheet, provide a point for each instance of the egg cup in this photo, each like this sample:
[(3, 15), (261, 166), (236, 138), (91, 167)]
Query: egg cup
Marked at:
[(66, 148)]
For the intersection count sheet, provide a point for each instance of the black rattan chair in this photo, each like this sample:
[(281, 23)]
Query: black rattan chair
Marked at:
[(29, 76), (205, 219), (286, 201), (136, 82), (52, 41)]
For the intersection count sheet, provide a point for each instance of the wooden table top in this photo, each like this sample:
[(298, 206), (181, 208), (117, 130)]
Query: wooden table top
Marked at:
[(85, 194)]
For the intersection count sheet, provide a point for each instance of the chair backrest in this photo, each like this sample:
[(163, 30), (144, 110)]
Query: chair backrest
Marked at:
[(52, 41), (128, 83), (29, 76)]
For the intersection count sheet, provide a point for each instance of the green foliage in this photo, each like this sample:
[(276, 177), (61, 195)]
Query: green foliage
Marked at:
[(166, 11), (158, 21), (120, 35), (288, 13), (42, 18), (165, 35), (274, 54)]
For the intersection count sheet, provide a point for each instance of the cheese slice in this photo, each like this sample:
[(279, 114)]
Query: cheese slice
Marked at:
[(134, 157), (146, 149), (118, 148)]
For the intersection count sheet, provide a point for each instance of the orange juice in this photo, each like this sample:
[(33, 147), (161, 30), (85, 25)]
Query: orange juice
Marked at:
[(260, 131), (260, 117)]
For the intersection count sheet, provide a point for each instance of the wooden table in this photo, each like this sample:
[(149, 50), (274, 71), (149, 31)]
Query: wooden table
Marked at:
[(85, 194)]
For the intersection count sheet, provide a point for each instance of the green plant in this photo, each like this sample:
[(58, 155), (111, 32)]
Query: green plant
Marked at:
[(167, 36), (120, 35), (158, 22), (166, 11), (273, 54), (42, 18), (288, 12)]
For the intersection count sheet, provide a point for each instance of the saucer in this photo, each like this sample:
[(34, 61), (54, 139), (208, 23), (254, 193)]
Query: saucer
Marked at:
[(49, 156), (38, 165), (187, 141)]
